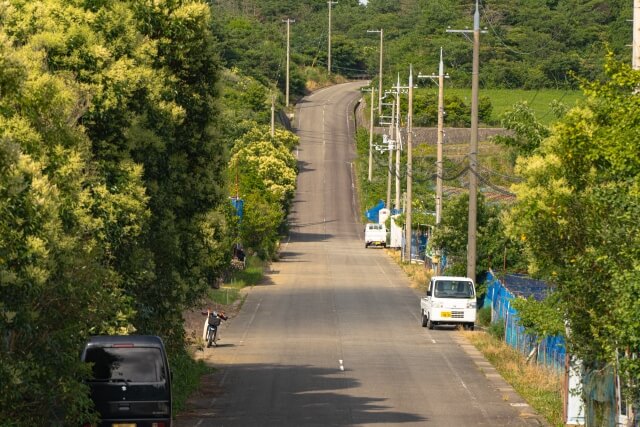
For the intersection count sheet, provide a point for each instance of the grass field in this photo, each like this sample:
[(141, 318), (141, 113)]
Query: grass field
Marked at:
[(539, 100)]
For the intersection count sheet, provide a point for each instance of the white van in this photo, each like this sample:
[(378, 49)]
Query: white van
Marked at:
[(449, 301), (375, 235)]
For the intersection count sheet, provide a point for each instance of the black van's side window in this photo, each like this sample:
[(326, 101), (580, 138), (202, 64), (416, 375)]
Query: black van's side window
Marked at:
[(135, 364)]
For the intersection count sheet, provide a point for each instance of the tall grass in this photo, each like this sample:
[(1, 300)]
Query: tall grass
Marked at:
[(186, 378), (539, 386), (418, 275)]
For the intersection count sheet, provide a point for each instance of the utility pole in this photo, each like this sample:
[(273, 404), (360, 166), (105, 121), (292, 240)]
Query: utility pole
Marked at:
[(398, 144), (391, 138), (330, 3), (381, 31), (407, 227), (371, 136), (473, 146), (288, 21), (398, 90), (273, 114), (439, 169), (473, 150), (635, 63), (372, 90)]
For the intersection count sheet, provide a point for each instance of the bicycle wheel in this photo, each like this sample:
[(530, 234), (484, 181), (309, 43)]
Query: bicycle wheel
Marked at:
[(210, 337)]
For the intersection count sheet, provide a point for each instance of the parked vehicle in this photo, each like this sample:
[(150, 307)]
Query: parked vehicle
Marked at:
[(211, 326), (131, 383), (449, 301), (375, 235)]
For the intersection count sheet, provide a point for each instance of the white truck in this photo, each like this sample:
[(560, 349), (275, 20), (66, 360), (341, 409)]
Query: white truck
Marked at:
[(449, 301), (375, 235)]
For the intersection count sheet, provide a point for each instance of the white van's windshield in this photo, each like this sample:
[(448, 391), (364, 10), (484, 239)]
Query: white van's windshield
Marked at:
[(453, 289)]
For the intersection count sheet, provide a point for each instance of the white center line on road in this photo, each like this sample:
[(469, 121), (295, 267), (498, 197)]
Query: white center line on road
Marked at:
[(341, 365), (433, 341)]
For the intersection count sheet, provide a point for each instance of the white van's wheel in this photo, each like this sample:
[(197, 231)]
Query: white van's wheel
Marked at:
[(430, 324), (423, 319)]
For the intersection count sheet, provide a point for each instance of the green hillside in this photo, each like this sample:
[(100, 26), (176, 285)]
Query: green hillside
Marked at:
[(528, 44)]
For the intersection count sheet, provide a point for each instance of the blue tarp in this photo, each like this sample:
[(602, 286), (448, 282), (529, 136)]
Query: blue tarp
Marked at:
[(238, 204), (373, 214), (552, 350)]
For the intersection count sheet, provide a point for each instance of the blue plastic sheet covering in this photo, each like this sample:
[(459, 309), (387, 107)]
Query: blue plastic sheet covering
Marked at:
[(552, 350), (373, 214), (418, 244), (238, 204)]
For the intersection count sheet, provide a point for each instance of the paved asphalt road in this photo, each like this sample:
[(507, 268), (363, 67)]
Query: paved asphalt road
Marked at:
[(333, 338)]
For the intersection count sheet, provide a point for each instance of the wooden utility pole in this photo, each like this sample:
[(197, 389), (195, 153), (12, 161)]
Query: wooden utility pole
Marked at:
[(288, 21), (439, 168), (371, 136), (439, 165), (398, 145), (473, 145), (391, 141), (330, 3), (408, 219), (473, 150)]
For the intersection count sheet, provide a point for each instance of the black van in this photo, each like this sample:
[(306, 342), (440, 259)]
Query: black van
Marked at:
[(131, 384)]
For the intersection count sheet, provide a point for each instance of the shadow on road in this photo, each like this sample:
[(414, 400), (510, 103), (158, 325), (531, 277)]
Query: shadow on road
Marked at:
[(287, 395), (297, 236)]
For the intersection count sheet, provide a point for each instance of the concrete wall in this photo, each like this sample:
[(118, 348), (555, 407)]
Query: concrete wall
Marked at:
[(430, 135)]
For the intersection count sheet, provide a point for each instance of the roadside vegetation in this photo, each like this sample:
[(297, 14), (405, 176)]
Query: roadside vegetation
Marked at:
[(539, 386), (230, 291), (122, 137), (573, 195), (126, 126)]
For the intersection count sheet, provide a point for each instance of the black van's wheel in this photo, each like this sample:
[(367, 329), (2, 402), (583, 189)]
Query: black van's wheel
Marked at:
[(423, 319)]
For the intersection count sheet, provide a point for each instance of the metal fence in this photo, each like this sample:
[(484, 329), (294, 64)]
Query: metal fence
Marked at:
[(552, 350)]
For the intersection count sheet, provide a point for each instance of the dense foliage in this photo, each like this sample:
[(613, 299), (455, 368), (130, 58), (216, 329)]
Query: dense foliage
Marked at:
[(265, 173), (494, 248), (112, 181), (527, 44), (577, 213)]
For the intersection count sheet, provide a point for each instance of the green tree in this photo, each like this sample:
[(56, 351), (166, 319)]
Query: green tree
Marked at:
[(493, 246), (114, 215), (577, 213), (528, 132), (265, 171), (62, 224)]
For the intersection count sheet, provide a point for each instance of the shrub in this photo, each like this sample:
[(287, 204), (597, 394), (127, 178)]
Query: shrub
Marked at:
[(484, 316), (496, 329)]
